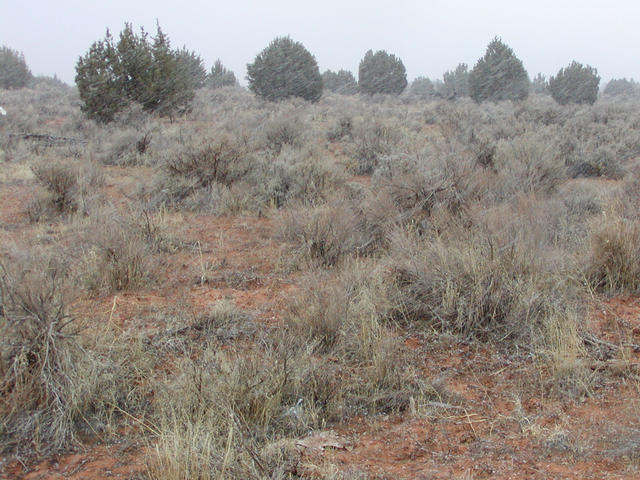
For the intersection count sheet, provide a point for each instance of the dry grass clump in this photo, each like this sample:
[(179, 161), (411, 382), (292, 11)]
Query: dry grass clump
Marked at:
[(614, 262), (232, 412), (119, 252), (349, 317), (55, 382), (478, 285)]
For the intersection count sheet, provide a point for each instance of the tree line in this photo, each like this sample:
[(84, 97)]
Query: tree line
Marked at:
[(146, 70)]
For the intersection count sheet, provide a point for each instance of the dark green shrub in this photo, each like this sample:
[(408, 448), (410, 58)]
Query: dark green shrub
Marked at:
[(14, 72), (456, 82), (342, 82), (621, 86), (381, 73), (219, 76), (113, 75), (285, 69), (498, 75), (422, 88), (540, 85), (575, 83)]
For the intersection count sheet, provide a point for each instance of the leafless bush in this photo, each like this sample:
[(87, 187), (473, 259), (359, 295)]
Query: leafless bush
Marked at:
[(68, 188), (221, 160), (52, 380)]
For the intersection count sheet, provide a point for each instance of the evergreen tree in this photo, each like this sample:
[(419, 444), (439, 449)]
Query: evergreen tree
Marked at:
[(342, 82), (456, 82), (14, 72), (540, 85), (381, 73), (98, 80), (621, 86), (111, 76), (575, 83), (285, 69), (498, 75), (422, 88), (220, 76)]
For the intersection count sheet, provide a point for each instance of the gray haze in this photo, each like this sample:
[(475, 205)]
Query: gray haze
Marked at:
[(429, 36)]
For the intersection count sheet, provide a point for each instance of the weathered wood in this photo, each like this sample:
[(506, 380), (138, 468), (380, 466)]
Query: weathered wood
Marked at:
[(48, 139)]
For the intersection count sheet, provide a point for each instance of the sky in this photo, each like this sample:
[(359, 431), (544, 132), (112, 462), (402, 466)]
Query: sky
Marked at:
[(430, 36)]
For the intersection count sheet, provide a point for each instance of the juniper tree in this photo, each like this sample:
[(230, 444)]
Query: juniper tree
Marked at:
[(498, 75), (14, 72), (381, 72), (219, 76), (285, 69), (112, 75), (575, 83)]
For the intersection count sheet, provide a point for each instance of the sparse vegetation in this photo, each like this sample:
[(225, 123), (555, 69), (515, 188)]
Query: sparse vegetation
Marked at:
[(278, 289)]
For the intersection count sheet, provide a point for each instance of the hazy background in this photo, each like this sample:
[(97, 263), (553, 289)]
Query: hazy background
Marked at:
[(429, 36)]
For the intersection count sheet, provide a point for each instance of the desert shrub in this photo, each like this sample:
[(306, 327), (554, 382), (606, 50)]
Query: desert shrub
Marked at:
[(218, 160), (235, 409), (67, 188), (60, 181), (285, 130), (342, 82), (220, 76), (349, 317), (498, 75), (325, 233), (373, 141), (14, 72), (381, 73), (478, 286), (341, 129), (422, 184), (295, 175), (575, 83), (285, 69), (614, 262), (110, 76), (529, 163), (54, 382)]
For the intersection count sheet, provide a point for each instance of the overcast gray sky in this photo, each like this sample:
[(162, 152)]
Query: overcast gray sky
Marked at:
[(429, 36)]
